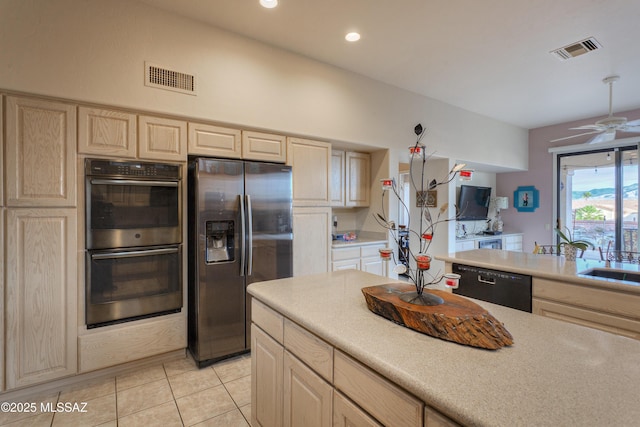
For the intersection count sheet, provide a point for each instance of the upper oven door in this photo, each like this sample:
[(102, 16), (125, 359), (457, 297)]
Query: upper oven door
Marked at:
[(132, 212)]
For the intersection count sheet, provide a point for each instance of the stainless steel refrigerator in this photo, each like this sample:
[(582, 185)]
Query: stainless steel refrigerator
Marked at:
[(240, 232)]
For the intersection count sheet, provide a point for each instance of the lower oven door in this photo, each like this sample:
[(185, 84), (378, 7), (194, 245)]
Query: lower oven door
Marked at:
[(132, 283)]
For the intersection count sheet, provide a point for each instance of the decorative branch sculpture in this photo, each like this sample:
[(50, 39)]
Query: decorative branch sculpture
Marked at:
[(424, 231)]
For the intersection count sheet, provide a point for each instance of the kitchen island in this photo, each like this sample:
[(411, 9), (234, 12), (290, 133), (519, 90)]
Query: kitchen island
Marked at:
[(562, 290), (556, 373)]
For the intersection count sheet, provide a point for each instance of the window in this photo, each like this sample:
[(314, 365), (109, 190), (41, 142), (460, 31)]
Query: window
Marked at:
[(597, 197)]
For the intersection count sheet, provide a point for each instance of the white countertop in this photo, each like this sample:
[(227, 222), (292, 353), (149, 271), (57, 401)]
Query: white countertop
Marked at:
[(545, 266), (555, 374), (360, 241)]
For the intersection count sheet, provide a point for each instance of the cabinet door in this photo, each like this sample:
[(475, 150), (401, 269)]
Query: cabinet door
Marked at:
[(162, 139), (308, 399), (346, 264), (512, 242), (337, 178), (374, 265), (215, 141), (41, 300), (41, 153), (347, 414), (106, 132), (311, 240), (2, 293), (311, 164), (358, 182), (465, 245), (267, 364), (264, 146)]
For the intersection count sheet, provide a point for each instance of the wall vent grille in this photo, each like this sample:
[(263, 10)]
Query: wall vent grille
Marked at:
[(577, 49), (164, 78)]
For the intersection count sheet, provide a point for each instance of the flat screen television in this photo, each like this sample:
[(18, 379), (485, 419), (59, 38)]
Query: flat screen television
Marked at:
[(473, 202)]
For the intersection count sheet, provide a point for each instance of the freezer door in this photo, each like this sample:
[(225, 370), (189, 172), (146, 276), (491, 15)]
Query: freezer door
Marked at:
[(217, 286), (269, 223)]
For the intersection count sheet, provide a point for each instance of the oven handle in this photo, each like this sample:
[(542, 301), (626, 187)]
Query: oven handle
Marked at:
[(134, 182), (133, 254), (243, 236), (250, 227)]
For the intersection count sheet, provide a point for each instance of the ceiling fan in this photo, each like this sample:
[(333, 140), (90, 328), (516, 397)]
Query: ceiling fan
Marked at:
[(607, 127)]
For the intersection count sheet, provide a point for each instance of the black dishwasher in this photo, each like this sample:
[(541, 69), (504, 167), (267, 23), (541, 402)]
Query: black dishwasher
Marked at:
[(498, 287)]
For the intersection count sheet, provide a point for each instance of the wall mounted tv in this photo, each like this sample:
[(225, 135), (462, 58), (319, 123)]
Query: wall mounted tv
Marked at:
[(473, 203)]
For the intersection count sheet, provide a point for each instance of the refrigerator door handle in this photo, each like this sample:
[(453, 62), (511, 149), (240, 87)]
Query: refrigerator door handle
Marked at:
[(243, 236), (250, 228)]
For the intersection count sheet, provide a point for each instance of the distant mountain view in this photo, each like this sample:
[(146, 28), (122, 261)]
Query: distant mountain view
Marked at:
[(630, 190)]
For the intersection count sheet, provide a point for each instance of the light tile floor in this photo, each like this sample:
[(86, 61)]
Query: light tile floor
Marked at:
[(176, 393)]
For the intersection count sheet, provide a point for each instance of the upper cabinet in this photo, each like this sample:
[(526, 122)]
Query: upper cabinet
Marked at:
[(311, 164), (162, 139), (217, 141), (106, 132), (337, 178), (40, 153), (264, 146), (350, 179), (214, 141)]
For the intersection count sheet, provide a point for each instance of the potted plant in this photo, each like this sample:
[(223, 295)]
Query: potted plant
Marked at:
[(569, 245)]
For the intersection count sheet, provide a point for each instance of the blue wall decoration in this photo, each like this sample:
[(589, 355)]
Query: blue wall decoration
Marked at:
[(526, 199)]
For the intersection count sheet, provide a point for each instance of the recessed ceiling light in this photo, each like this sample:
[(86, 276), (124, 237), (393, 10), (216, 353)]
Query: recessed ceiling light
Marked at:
[(269, 4), (352, 37)]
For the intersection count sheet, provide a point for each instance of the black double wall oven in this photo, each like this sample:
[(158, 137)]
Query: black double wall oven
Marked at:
[(133, 240)]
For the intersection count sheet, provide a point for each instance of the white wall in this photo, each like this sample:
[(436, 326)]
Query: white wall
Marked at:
[(94, 51)]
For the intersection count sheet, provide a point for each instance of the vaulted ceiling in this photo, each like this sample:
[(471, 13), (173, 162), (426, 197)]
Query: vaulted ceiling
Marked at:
[(491, 57)]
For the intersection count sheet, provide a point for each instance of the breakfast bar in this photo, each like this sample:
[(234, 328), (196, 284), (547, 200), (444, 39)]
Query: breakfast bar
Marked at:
[(555, 373)]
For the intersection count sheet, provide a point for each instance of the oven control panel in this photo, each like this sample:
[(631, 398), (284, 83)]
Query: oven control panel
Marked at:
[(112, 168)]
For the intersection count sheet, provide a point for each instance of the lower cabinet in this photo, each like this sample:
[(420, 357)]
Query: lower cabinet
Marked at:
[(267, 379), (40, 295), (307, 397), (311, 240), (365, 258), (604, 309), (300, 380)]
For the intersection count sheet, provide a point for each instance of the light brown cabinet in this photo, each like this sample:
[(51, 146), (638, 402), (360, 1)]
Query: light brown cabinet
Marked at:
[(40, 153), (267, 380), (107, 132), (605, 309), (311, 171), (356, 257), (162, 139), (311, 240), (264, 147), (214, 141), (308, 399), (350, 179), (299, 379), (338, 178), (347, 414), (41, 301)]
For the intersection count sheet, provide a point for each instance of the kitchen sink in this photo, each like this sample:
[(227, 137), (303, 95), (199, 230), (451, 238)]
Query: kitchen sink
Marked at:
[(628, 276)]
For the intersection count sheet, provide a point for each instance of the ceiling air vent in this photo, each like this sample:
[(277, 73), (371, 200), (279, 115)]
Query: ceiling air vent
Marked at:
[(164, 78), (577, 49)]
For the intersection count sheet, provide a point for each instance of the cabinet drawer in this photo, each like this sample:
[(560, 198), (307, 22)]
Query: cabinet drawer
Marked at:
[(387, 402), (310, 349), (270, 321), (370, 250), (345, 253)]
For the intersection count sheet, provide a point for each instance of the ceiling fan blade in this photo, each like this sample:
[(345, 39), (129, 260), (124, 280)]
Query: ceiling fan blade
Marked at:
[(633, 123), (574, 136), (607, 136), (632, 129), (589, 127)]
